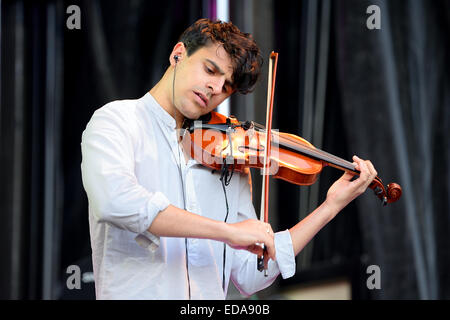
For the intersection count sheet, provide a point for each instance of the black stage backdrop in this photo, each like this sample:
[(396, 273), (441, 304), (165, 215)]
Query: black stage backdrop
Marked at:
[(381, 94), (396, 110), (387, 99)]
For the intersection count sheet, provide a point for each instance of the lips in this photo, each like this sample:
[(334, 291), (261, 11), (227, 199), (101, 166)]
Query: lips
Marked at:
[(203, 99)]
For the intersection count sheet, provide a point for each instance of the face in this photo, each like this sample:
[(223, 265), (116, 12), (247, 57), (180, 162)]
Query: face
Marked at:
[(202, 81)]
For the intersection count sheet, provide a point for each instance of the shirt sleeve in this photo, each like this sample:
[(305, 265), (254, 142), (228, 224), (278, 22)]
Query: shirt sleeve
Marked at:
[(107, 167), (244, 273)]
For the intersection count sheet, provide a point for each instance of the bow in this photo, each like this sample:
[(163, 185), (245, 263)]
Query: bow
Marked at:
[(264, 213)]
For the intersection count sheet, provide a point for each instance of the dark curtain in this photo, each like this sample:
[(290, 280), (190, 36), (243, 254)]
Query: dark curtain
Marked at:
[(394, 86), (306, 83), (387, 100), (30, 90)]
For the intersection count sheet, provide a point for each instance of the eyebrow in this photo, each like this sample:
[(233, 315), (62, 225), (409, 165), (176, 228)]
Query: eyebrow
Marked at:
[(220, 71)]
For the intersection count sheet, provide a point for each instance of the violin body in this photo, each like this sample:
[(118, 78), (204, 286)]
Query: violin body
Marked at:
[(217, 140), (211, 148)]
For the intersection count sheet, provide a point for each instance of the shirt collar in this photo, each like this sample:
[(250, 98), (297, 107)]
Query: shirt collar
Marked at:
[(164, 116), (159, 111)]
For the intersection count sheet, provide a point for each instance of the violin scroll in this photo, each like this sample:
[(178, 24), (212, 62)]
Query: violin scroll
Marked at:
[(394, 191)]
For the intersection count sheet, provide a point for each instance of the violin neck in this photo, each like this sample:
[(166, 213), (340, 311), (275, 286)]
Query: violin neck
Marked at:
[(317, 154), (306, 150)]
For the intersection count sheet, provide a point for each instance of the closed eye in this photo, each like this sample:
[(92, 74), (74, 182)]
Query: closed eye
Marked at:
[(215, 69), (209, 70)]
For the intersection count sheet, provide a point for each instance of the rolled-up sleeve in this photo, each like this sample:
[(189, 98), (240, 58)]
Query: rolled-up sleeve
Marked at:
[(107, 168), (244, 273)]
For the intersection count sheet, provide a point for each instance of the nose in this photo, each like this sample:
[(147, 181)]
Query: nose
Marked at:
[(215, 85)]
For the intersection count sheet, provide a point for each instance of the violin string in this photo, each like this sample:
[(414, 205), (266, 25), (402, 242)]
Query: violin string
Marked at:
[(319, 154), (309, 150), (377, 183)]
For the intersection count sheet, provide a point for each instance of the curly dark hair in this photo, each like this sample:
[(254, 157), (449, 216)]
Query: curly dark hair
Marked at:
[(242, 49)]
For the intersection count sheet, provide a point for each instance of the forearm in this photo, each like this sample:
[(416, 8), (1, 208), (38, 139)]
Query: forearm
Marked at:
[(341, 193), (175, 222), (307, 228)]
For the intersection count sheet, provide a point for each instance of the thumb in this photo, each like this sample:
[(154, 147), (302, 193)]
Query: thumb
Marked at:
[(256, 249), (347, 176)]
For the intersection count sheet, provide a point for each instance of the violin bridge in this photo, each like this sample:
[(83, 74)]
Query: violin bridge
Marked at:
[(250, 133)]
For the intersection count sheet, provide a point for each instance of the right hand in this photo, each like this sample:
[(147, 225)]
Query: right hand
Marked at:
[(250, 234)]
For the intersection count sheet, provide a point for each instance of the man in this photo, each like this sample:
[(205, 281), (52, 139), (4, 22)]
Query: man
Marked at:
[(158, 220)]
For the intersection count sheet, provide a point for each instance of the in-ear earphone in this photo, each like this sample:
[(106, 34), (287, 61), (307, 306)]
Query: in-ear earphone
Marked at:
[(176, 58)]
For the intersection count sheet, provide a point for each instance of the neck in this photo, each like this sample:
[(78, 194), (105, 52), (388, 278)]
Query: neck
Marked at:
[(162, 92)]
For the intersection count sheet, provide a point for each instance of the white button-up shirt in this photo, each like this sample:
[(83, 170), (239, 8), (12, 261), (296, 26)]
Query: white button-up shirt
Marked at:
[(131, 170)]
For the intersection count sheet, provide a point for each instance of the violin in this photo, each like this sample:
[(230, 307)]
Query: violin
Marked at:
[(226, 144), (216, 140)]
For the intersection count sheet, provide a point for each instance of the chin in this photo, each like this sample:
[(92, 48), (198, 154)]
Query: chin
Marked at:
[(193, 115), (192, 110), (196, 112)]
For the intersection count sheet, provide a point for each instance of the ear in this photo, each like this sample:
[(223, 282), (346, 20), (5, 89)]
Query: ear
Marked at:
[(179, 50)]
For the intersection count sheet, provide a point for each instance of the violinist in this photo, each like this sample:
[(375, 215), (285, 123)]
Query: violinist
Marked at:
[(163, 226)]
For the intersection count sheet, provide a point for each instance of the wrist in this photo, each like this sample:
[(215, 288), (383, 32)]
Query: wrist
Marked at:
[(223, 232), (331, 208)]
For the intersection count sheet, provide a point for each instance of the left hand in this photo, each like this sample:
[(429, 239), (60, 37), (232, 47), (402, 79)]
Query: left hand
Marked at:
[(343, 191)]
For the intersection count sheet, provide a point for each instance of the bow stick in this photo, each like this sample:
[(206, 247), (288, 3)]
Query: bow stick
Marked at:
[(264, 213)]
